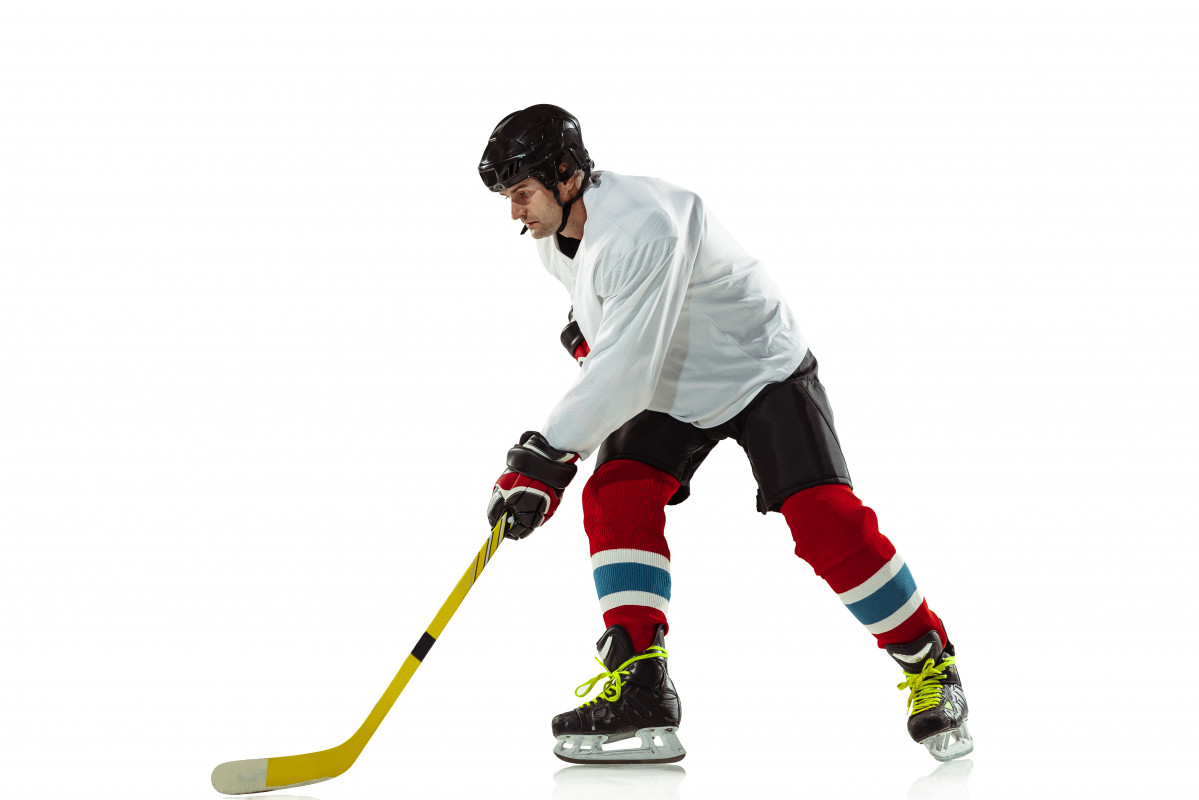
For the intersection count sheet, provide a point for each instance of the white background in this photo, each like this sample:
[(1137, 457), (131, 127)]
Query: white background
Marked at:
[(265, 338)]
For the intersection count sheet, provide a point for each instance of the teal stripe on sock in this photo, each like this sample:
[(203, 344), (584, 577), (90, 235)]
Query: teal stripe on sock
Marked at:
[(629, 577), (887, 600)]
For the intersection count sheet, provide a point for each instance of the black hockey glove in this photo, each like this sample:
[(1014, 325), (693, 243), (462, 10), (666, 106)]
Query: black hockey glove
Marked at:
[(532, 486), (573, 341)]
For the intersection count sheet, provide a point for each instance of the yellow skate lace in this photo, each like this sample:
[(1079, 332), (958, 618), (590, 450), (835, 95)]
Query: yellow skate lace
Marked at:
[(925, 685), (614, 679)]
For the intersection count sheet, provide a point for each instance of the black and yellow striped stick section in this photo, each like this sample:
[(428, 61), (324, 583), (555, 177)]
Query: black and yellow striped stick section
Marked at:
[(266, 774)]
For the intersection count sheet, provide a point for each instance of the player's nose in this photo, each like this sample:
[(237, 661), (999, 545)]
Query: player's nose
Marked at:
[(517, 210)]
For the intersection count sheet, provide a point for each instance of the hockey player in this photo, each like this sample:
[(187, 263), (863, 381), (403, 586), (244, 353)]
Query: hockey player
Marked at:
[(684, 341)]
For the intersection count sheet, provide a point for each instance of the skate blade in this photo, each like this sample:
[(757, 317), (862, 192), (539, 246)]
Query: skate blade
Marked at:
[(951, 744), (658, 746)]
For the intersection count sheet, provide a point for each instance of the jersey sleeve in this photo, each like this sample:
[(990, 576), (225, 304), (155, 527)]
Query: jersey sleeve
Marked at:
[(642, 298)]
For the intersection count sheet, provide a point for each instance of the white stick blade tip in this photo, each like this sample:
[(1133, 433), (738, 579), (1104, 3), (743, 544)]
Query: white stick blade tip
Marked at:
[(240, 777)]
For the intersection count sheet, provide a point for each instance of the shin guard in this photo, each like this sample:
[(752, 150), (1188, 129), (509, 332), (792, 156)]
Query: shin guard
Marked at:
[(624, 514), (840, 539)]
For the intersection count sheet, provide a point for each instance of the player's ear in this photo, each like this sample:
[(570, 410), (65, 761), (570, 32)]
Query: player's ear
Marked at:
[(568, 187)]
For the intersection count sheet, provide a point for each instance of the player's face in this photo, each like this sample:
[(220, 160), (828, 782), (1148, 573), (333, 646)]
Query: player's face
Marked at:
[(535, 206)]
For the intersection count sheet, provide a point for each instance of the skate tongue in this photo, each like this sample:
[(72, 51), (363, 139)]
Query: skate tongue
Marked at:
[(615, 647), (911, 656)]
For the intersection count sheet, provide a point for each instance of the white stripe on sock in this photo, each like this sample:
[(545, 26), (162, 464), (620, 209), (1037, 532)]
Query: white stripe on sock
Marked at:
[(874, 582), (900, 616), (611, 601), (628, 556)]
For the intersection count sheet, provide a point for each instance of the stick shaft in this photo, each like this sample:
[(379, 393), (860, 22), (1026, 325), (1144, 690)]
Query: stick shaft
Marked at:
[(427, 639), (279, 772), (241, 777)]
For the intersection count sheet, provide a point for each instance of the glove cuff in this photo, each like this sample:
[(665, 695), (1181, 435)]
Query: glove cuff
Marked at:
[(538, 459), (572, 337)]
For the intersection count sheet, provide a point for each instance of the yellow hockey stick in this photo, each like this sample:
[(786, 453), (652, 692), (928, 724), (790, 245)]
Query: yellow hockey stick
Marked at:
[(268, 774)]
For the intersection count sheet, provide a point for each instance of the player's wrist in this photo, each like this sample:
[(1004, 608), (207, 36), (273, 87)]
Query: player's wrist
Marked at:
[(573, 340), (536, 458)]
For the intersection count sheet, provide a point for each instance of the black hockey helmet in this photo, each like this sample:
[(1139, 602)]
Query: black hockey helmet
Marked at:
[(531, 143)]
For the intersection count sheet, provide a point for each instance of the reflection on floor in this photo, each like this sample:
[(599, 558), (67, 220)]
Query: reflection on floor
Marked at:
[(946, 782), (642, 782)]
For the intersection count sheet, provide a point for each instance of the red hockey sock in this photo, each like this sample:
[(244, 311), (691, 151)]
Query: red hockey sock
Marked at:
[(840, 539), (624, 514)]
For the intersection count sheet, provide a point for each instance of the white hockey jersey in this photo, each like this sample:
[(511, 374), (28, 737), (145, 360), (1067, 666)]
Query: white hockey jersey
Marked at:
[(679, 318)]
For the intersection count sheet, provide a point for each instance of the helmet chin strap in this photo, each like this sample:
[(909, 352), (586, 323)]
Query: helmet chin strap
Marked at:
[(565, 215)]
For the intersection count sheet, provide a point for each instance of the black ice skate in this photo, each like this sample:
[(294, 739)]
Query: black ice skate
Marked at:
[(937, 705), (638, 699)]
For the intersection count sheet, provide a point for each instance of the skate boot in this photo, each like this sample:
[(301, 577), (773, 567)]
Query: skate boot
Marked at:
[(937, 710), (638, 699)]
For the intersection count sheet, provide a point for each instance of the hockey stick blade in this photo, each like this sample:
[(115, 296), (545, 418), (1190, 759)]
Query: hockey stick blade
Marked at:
[(267, 774)]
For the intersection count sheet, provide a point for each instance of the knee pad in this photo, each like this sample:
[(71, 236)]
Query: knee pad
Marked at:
[(626, 490), (832, 529)]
